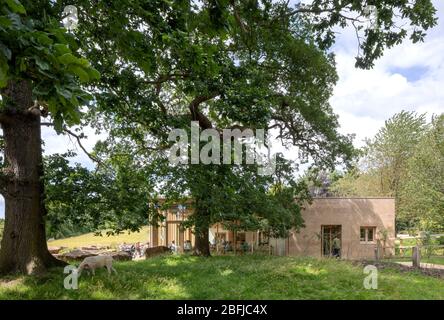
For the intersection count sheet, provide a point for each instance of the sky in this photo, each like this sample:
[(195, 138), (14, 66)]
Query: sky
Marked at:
[(408, 77)]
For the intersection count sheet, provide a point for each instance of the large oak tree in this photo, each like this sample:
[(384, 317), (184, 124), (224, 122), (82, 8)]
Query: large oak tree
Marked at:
[(224, 63), (230, 64), (39, 76)]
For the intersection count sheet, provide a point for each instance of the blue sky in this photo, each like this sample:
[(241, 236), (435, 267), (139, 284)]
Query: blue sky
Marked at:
[(407, 77)]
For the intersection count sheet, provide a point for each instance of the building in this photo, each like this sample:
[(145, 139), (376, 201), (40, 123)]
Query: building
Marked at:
[(356, 225)]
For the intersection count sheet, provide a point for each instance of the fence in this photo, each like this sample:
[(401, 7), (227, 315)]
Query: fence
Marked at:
[(418, 256), (248, 248)]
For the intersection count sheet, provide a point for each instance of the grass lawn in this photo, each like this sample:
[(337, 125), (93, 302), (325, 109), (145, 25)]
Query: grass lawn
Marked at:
[(227, 277), (435, 260), (89, 239)]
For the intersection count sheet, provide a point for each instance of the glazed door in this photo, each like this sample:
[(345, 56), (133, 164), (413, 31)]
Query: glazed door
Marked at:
[(331, 240)]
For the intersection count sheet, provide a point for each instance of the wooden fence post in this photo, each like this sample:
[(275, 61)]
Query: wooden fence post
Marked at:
[(416, 257), (377, 252)]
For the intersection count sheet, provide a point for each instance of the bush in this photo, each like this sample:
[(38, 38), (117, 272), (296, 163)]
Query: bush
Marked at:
[(440, 240)]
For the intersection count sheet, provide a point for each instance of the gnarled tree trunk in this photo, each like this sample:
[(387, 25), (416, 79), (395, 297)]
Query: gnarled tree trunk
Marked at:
[(23, 247)]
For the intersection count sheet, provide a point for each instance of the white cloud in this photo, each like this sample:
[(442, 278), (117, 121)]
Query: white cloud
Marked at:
[(363, 99), (61, 143)]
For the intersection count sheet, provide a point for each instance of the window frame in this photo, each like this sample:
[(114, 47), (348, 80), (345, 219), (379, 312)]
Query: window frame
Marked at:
[(366, 232)]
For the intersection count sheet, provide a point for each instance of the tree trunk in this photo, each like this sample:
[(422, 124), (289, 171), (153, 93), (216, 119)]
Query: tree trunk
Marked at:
[(202, 236), (23, 247), (202, 244)]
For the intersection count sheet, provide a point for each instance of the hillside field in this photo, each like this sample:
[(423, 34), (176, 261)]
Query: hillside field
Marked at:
[(90, 239)]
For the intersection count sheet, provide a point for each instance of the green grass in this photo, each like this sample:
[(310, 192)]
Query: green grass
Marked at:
[(435, 260), (104, 240), (228, 277)]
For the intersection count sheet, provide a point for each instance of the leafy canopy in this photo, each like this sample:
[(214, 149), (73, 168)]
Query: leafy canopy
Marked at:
[(35, 48), (225, 64)]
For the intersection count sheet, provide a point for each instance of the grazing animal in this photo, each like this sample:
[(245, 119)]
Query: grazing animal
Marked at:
[(95, 262)]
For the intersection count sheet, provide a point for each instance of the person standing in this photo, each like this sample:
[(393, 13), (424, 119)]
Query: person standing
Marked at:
[(336, 247), (173, 247)]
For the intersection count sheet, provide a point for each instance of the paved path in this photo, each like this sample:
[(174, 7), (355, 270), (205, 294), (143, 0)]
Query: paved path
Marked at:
[(424, 265)]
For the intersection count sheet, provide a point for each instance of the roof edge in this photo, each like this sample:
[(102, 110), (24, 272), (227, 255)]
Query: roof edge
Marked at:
[(353, 198)]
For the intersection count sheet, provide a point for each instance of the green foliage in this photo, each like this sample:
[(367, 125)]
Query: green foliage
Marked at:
[(388, 152), (382, 166), (404, 160), (394, 22), (255, 64), (251, 67), (234, 195), (320, 182), (113, 198), (34, 48), (355, 183), (422, 194), (440, 240)]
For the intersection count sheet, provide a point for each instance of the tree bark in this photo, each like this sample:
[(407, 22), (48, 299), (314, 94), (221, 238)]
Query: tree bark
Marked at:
[(23, 247), (202, 235), (202, 244)]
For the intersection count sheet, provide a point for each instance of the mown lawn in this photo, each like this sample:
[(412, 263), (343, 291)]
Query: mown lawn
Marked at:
[(228, 277)]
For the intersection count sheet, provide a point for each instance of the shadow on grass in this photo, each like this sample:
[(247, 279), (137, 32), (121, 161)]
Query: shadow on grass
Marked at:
[(219, 277)]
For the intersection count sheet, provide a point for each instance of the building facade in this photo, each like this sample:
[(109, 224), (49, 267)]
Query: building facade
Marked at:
[(352, 228)]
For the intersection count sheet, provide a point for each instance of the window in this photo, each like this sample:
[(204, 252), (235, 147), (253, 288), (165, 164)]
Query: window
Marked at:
[(221, 236), (240, 236), (370, 235), (367, 234), (363, 234)]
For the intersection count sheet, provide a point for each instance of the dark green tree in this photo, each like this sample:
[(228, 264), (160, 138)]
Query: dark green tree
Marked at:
[(114, 197), (245, 64), (254, 64), (383, 168), (422, 193)]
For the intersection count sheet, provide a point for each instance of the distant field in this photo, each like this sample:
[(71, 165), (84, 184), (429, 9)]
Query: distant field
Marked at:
[(228, 277), (104, 240)]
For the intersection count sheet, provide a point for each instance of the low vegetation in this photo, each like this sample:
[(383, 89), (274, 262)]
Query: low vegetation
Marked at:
[(228, 277)]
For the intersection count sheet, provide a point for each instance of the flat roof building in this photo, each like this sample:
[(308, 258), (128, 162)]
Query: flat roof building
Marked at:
[(350, 228)]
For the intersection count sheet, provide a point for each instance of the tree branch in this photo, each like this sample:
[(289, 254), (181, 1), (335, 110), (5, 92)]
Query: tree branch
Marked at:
[(337, 11), (167, 77), (238, 18), (196, 114), (79, 142)]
